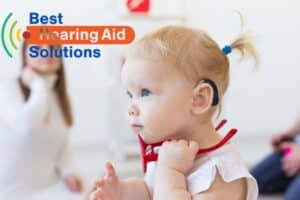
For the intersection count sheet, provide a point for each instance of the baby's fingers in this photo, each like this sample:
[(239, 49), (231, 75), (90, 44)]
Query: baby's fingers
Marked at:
[(110, 170), (96, 195), (194, 146), (100, 182)]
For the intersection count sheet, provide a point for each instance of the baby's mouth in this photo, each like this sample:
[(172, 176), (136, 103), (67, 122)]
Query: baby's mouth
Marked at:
[(137, 128)]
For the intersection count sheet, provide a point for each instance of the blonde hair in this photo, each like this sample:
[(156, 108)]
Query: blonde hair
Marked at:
[(193, 52)]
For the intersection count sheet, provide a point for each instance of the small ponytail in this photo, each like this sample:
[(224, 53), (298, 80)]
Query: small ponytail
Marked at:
[(243, 44)]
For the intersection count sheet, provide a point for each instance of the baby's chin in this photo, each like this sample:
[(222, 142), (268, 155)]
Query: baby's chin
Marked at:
[(150, 139)]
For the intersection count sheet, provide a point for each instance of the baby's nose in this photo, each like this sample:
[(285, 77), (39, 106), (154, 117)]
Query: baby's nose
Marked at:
[(133, 110)]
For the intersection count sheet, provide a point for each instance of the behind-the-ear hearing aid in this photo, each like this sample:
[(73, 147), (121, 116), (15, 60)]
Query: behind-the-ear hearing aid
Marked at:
[(215, 100)]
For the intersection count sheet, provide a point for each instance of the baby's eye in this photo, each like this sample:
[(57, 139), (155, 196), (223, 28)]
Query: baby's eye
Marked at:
[(145, 92), (129, 94)]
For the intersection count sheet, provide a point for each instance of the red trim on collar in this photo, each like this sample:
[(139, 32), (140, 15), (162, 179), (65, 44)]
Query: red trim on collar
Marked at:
[(152, 156)]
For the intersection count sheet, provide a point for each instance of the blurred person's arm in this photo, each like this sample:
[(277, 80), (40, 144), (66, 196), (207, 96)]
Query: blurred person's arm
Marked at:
[(66, 169), (31, 115), (291, 161), (286, 136), (295, 128)]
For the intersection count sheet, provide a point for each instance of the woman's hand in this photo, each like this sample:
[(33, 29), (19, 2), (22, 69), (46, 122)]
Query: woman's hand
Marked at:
[(28, 75), (279, 138), (74, 183), (291, 161), (178, 155)]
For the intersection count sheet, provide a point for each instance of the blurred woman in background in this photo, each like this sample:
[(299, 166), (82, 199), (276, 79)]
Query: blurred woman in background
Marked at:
[(280, 171), (35, 115)]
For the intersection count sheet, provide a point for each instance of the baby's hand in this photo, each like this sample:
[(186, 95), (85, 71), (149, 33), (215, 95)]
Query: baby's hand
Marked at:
[(178, 155), (107, 188)]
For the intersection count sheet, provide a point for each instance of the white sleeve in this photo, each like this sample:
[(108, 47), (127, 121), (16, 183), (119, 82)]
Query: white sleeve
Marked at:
[(32, 115), (229, 166), (65, 160)]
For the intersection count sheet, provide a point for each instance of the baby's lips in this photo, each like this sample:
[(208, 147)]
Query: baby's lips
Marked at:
[(136, 127)]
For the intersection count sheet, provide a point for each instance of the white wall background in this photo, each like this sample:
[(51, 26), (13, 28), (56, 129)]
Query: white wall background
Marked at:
[(261, 102)]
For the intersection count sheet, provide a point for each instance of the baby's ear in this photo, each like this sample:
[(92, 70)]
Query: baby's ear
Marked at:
[(202, 98)]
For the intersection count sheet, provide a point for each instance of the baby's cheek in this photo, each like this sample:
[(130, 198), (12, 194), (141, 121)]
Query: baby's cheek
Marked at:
[(162, 118), (155, 120)]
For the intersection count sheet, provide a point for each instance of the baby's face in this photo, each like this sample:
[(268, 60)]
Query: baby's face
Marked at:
[(160, 99)]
